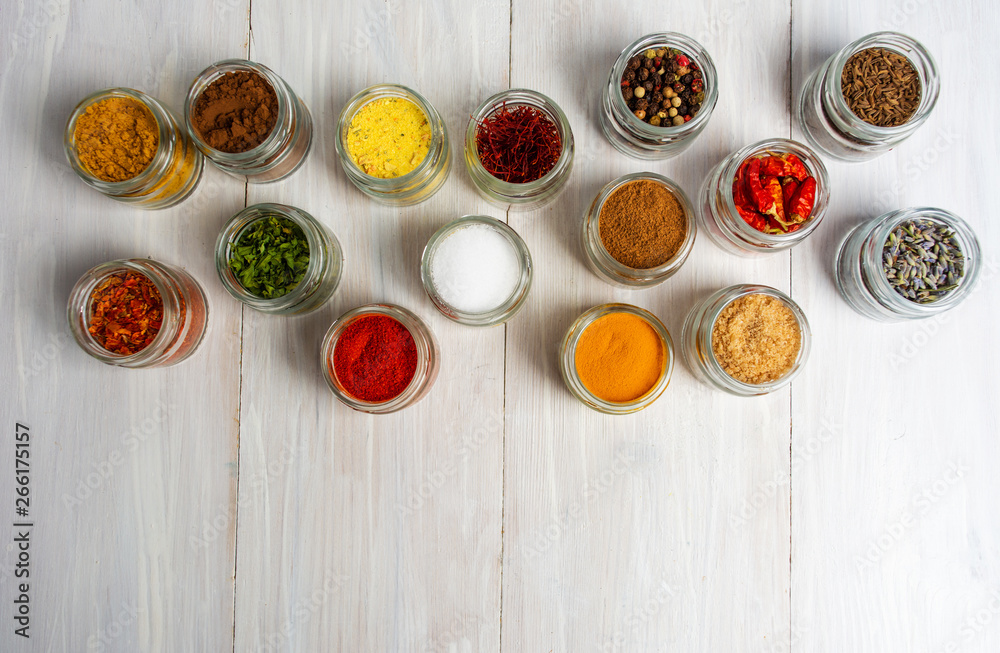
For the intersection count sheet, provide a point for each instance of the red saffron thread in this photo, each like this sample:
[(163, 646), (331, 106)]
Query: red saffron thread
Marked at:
[(375, 358), (518, 145)]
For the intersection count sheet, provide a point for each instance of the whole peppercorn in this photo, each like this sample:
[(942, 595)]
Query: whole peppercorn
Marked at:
[(648, 86), (683, 109), (655, 121), (644, 74), (639, 91), (627, 93), (656, 79), (642, 104), (634, 62), (629, 76), (640, 114), (657, 97), (687, 79), (672, 112), (653, 107), (672, 66), (678, 87), (678, 121), (647, 64)]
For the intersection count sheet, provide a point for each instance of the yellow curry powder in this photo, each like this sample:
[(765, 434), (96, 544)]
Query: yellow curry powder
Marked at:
[(388, 137), (619, 357), (116, 138)]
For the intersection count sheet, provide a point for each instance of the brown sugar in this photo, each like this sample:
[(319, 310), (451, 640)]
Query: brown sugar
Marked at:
[(756, 339), (642, 224)]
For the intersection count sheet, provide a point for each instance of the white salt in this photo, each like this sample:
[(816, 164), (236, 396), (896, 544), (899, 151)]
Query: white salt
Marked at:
[(475, 269)]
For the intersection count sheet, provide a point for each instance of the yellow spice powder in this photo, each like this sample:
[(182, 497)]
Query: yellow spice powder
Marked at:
[(619, 357), (116, 139), (388, 137)]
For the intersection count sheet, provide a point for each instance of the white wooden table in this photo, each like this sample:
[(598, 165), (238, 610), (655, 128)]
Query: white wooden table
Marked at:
[(231, 503)]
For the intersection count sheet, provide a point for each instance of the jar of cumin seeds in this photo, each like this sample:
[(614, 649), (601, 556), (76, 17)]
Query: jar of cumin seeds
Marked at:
[(281, 151), (169, 177), (862, 280), (834, 129)]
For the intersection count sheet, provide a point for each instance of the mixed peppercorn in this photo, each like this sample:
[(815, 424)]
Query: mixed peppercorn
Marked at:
[(774, 193), (663, 87)]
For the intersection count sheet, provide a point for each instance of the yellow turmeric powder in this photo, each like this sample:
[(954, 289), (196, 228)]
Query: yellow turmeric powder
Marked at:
[(388, 137), (619, 357), (116, 138)]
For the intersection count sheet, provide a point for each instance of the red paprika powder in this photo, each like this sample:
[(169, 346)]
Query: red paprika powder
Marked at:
[(375, 358)]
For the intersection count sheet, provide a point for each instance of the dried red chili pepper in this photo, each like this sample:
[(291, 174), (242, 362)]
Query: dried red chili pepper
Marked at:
[(802, 201), (788, 188), (126, 313), (772, 187), (786, 165), (760, 199)]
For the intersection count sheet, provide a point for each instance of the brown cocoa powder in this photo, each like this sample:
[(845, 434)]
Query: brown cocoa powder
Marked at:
[(642, 224), (236, 112)]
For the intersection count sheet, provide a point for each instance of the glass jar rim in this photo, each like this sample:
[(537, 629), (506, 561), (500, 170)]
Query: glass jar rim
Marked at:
[(568, 362), (511, 304), (878, 233), (901, 44), (364, 97), (425, 350), (521, 97), (689, 218), (85, 291), (814, 166), (691, 49), (243, 220), (160, 159), (719, 300)]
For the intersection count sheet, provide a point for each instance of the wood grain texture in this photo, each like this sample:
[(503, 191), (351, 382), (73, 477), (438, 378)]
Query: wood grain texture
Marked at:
[(895, 540), (129, 467), (234, 504)]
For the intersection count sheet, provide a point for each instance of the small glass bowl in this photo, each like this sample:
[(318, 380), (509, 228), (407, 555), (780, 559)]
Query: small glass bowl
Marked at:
[(863, 284), (696, 341), (169, 178), (567, 359), (427, 358), (421, 182), (606, 266), (533, 194), (511, 305), (185, 313), (635, 138), (284, 149), (723, 223), (326, 261), (829, 124)]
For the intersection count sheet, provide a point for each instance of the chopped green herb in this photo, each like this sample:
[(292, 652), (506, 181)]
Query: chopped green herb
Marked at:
[(271, 257)]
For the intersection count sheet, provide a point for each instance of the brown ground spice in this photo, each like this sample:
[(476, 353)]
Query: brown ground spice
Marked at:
[(236, 112), (642, 224), (756, 339), (116, 139)]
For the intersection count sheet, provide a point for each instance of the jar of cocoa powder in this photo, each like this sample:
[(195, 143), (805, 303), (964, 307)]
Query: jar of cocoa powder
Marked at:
[(248, 121)]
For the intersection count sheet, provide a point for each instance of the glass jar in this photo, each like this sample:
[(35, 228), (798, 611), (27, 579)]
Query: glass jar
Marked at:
[(421, 182), (638, 139), (829, 124), (606, 266), (185, 313), (322, 275), (863, 284), (696, 341), (529, 195), (427, 358), (723, 223), (169, 178), (286, 146), (511, 305), (567, 359)]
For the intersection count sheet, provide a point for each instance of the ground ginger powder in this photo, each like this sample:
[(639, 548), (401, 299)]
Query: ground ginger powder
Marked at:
[(619, 357), (756, 339), (388, 137), (116, 139)]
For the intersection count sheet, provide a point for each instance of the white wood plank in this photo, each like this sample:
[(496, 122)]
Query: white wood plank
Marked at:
[(617, 529), (892, 549), (381, 532), (149, 454)]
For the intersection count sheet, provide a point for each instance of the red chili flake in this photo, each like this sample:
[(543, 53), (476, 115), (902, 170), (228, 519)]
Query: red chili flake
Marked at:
[(126, 313), (518, 145), (375, 358)]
